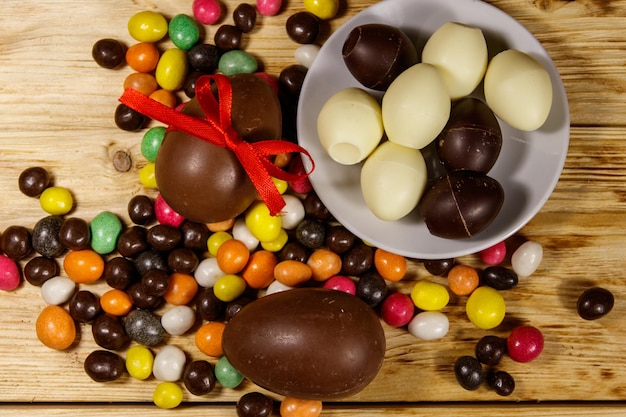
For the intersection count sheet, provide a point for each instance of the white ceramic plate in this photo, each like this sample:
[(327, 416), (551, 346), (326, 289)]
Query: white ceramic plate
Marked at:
[(529, 164)]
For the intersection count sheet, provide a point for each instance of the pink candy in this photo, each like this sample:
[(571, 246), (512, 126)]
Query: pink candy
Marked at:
[(207, 12), (268, 7), (493, 255), (341, 283), (9, 274), (302, 186), (165, 214), (397, 310)]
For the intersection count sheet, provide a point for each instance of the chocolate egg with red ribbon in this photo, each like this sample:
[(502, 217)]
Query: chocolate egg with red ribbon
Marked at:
[(205, 182)]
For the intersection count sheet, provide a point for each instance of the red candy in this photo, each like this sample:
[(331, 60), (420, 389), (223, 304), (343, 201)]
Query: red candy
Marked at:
[(302, 186), (165, 214), (207, 12), (525, 344), (397, 309), (493, 255), (341, 283), (9, 274)]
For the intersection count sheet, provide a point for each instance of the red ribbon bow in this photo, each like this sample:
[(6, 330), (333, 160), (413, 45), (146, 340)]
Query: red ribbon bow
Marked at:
[(216, 128)]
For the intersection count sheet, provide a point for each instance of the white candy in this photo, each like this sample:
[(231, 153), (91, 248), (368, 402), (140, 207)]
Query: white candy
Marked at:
[(208, 272), (277, 286), (306, 54), (350, 125), (393, 180), (293, 212), (518, 89), (416, 106), (459, 52), (241, 232), (526, 259), (177, 320), (169, 363), (429, 325), (58, 290)]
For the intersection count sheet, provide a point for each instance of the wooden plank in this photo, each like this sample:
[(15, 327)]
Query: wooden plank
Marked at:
[(56, 110)]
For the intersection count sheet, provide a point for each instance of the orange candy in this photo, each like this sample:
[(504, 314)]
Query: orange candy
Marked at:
[(292, 273), (463, 279), (116, 302), (142, 82), (324, 263), (165, 97), (232, 256), (259, 271), (294, 407), (390, 266), (223, 226), (142, 57), (208, 338), (181, 290), (55, 327), (83, 266)]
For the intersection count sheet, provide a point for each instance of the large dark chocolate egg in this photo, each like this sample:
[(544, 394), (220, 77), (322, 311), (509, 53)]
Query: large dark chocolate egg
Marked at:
[(376, 54), (308, 343), (472, 139), (204, 182), (461, 204)]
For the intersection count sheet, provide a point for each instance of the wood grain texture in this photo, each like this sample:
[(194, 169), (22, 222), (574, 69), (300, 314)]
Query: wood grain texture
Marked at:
[(56, 110)]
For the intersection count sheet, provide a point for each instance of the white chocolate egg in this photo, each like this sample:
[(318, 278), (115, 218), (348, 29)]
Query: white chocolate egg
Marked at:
[(518, 90), (416, 106), (459, 52), (393, 180), (350, 125)]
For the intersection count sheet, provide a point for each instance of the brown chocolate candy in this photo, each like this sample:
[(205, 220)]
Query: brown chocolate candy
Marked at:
[(461, 204), (308, 343), (204, 182), (376, 54), (472, 139)]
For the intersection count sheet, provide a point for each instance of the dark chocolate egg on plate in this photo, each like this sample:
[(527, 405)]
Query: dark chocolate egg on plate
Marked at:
[(461, 204), (307, 343), (472, 139), (204, 182), (376, 54)]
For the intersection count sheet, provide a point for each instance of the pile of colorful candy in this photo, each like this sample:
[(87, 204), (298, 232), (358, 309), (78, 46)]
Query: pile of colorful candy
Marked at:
[(168, 275)]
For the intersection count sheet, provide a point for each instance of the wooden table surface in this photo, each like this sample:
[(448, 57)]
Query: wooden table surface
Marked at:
[(56, 108)]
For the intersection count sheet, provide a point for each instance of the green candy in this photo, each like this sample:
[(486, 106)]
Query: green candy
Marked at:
[(151, 142), (105, 228), (237, 61), (183, 31), (226, 375)]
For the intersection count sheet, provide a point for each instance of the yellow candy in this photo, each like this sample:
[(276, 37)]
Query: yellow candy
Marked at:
[(229, 287), (167, 395), (216, 240), (430, 296), (324, 9), (261, 223), (139, 361), (281, 185), (485, 307), (56, 200), (276, 244), (147, 26), (147, 177), (171, 71)]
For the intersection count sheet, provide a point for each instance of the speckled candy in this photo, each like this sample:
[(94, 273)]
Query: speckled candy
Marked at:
[(144, 327), (237, 61), (268, 7), (183, 31), (105, 228), (46, 236), (9, 274), (166, 214), (151, 142)]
